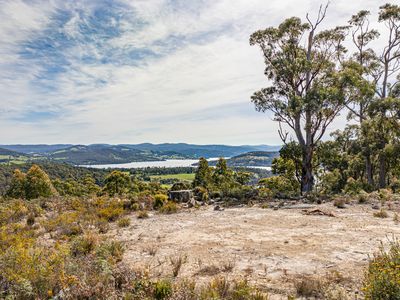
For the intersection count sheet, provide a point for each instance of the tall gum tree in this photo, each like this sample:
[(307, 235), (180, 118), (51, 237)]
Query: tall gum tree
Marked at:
[(380, 67), (310, 81)]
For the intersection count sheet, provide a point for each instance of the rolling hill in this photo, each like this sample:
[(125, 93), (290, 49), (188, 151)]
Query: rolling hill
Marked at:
[(251, 159), (125, 153)]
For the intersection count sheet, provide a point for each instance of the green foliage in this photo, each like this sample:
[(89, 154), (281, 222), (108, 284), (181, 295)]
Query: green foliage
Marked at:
[(117, 183), (124, 222), (34, 184), (110, 210), (179, 186), (383, 275), (162, 289), (17, 187), (84, 245), (169, 208), (38, 184), (203, 174), (159, 200), (201, 194), (353, 187), (280, 186)]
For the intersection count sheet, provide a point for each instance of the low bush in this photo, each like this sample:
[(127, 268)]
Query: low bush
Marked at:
[(169, 208), (381, 214), (382, 278), (124, 222), (111, 210), (353, 187), (143, 214), (280, 186), (162, 289), (159, 201), (308, 286), (201, 194), (84, 245), (340, 202), (221, 288)]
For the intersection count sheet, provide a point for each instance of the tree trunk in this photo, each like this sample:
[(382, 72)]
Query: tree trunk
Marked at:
[(307, 177), (382, 172), (368, 169)]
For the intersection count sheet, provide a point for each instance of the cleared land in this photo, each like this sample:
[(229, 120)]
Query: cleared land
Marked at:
[(271, 248)]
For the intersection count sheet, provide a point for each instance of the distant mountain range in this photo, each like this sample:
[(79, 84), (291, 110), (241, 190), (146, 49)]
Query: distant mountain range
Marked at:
[(124, 153)]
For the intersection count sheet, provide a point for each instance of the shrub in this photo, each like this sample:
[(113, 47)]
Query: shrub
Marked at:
[(385, 195), (340, 202), (381, 214), (111, 249), (17, 186), (38, 184), (169, 208), (30, 220), (13, 211), (179, 186), (124, 222), (64, 224), (221, 288), (117, 183), (111, 210), (280, 186), (352, 187), (162, 289), (363, 197), (84, 245), (308, 286), (382, 278), (177, 262), (143, 214), (201, 194), (159, 201)]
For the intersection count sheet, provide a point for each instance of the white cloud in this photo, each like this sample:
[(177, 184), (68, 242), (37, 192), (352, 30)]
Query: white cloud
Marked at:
[(158, 99)]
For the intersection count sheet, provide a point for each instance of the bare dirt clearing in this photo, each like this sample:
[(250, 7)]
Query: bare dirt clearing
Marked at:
[(269, 247)]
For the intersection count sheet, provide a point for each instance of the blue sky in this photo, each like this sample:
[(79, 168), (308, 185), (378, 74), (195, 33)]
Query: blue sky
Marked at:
[(119, 71)]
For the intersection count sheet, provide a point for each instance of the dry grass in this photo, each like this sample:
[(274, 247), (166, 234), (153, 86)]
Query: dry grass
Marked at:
[(381, 214), (177, 262), (143, 214), (124, 222)]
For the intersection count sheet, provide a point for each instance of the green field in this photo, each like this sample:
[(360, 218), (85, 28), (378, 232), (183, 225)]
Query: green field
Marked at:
[(180, 176)]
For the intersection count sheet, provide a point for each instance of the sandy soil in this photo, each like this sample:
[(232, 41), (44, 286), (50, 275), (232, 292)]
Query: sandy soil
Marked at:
[(269, 247)]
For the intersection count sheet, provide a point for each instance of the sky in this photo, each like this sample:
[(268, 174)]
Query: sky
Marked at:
[(119, 71)]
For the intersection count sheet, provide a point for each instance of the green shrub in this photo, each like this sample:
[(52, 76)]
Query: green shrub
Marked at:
[(159, 201), (143, 214), (111, 249), (111, 210), (383, 275), (201, 193), (124, 222), (83, 245), (353, 187), (363, 197), (280, 186), (162, 289), (179, 186), (169, 208)]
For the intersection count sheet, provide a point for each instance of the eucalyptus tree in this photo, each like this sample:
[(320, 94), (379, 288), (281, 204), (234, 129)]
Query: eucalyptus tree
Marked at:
[(311, 81), (380, 70)]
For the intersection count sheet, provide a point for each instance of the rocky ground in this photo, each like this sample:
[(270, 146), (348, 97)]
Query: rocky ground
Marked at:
[(271, 248)]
